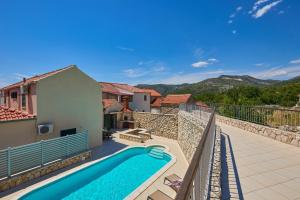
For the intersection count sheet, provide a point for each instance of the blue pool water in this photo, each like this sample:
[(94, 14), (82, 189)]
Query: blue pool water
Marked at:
[(113, 178)]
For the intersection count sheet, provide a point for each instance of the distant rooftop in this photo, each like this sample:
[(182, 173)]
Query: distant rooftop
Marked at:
[(176, 99)]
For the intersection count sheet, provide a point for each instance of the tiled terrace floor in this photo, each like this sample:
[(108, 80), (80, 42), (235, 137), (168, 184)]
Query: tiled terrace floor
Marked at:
[(257, 167)]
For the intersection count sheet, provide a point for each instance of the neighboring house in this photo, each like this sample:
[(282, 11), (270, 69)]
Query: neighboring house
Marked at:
[(138, 99), (171, 102), (66, 99)]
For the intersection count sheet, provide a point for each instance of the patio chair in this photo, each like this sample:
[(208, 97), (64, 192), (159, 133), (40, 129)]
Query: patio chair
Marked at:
[(158, 195), (174, 181)]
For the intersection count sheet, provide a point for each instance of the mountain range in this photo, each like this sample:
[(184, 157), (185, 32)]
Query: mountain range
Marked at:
[(219, 84)]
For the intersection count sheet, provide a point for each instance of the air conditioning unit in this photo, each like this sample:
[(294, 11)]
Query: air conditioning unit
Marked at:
[(45, 129), (24, 89)]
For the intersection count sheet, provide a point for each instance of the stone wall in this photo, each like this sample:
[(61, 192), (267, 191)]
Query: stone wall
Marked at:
[(215, 181), (276, 134), (165, 125), (190, 130), (10, 183)]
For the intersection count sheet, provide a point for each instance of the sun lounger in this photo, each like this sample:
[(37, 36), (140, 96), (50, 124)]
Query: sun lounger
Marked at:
[(159, 195), (172, 178), (174, 181)]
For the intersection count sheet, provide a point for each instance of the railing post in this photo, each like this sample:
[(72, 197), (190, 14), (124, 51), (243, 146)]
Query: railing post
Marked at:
[(9, 161), (42, 152), (86, 140), (67, 143)]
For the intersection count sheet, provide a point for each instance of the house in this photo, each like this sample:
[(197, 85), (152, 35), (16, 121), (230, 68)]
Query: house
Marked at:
[(171, 103), (155, 97), (66, 99), (138, 99)]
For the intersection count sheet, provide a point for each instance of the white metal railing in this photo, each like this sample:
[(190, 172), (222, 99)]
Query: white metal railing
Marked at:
[(17, 159), (195, 185)]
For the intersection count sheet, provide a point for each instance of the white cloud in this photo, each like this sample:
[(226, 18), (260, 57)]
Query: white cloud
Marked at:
[(281, 12), (262, 11), (135, 72), (259, 64), (230, 21), (239, 8), (234, 32), (200, 64), (204, 63), (297, 61), (193, 77), (232, 15), (125, 48), (159, 68), (278, 72), (213, 60)]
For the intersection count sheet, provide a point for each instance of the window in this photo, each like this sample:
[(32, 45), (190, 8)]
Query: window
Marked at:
[(23, 101), (145, 97), (14, 95)]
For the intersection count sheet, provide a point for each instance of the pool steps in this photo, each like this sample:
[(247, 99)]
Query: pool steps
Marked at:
[(156, 153)]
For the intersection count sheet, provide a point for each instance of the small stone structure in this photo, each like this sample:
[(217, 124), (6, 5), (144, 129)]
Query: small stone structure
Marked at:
[(276, 134), (14, 181), (135, 135), (165, 125)]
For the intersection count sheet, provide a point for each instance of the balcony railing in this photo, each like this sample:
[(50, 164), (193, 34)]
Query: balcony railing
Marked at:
[(196, 181), (267, 116)]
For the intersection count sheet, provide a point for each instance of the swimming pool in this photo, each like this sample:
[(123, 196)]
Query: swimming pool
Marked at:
[(113, 178)]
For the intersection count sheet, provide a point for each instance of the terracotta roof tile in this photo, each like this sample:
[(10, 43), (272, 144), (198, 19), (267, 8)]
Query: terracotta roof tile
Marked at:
[(157, 102), (109, 102), (153, 93), (7, 114), (128, 87), (176, 99)]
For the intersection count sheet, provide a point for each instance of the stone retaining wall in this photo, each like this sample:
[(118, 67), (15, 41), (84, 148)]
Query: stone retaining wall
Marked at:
[(215, 181), (165, 125), (190, 130), (276, 134), (14, 181)]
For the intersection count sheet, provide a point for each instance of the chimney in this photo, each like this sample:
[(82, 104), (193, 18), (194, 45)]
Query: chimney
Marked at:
[(125, 103), (24, 79)]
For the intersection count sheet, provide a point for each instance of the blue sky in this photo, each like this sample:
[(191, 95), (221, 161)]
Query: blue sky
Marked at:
[(143, 41)]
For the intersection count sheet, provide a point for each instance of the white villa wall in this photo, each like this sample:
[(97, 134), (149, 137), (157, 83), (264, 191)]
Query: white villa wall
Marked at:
[(139, 104), (70, 99)]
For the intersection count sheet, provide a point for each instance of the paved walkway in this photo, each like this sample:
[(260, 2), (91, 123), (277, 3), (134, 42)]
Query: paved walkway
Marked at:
[(257, 167)]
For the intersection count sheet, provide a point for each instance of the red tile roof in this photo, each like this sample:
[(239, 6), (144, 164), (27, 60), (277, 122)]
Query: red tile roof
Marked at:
[(157, 102), (176, 99), (120, 88), (8, 114), (110, 88), (35, 78), (128, 87), (109, 102), (153, 93)]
